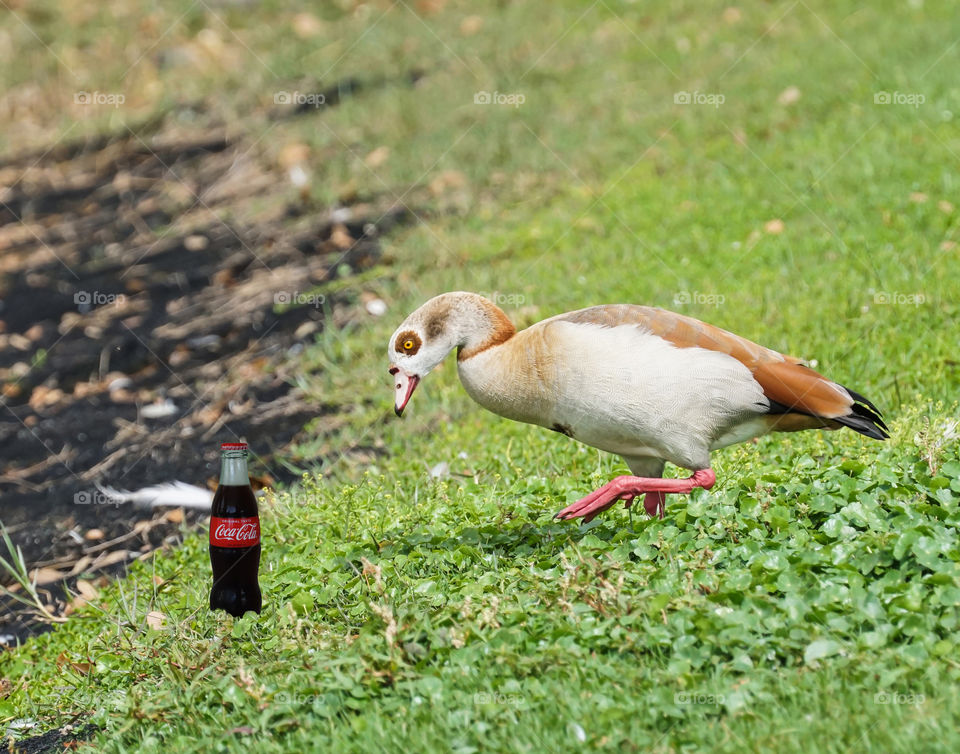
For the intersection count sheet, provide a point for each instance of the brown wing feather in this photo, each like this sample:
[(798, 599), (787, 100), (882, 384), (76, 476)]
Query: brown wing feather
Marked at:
[(799, 387), (784, 379)]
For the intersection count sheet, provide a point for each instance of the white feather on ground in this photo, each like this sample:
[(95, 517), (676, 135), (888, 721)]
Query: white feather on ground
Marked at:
[(173, 494)]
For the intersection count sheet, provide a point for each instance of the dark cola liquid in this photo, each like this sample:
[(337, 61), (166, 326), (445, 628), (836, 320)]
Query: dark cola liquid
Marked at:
[(235, 568)]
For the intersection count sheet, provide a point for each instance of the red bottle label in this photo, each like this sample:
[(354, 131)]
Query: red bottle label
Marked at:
[(234, 532)]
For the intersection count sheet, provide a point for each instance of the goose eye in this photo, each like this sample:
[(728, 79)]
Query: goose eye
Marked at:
[(407, 343)]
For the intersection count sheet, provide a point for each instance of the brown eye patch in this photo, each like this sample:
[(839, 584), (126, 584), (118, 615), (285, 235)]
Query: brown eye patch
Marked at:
[(408, 342)]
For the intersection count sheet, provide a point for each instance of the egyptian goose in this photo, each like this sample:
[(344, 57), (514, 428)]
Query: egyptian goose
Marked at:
[(647, 384)]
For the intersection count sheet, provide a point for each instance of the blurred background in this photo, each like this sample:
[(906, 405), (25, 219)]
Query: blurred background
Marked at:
[(213, 213)]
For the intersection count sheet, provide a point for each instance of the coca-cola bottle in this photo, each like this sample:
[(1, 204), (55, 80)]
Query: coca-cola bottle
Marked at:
[(234, 536)]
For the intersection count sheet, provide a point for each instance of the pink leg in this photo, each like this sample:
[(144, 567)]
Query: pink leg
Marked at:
[(628, 487), (655, 503)]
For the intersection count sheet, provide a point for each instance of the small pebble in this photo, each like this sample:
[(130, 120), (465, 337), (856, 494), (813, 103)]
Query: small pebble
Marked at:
[(377, 307), (196, 243), (120, 383)]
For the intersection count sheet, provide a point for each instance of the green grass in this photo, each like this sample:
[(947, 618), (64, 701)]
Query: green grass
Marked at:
[(407, 613)]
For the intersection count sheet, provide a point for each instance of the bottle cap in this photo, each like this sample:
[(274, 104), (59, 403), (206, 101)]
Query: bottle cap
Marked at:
[(233, 446)]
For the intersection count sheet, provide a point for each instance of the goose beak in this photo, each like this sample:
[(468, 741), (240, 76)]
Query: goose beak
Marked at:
[(405, 385)]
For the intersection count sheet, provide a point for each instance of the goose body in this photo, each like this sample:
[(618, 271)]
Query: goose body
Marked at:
[(647, 384)]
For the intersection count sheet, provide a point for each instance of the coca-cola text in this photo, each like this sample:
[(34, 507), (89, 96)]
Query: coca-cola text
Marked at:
[(234, 532)]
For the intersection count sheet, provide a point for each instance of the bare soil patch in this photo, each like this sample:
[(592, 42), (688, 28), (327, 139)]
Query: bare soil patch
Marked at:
[(154, 286)]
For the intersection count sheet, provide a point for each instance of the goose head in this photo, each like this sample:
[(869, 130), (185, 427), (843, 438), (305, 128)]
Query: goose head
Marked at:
[(466, 321)]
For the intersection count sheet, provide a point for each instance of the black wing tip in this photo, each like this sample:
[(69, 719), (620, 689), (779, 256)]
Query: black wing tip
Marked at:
[(864, 417), (863, 426), (867, 404)]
